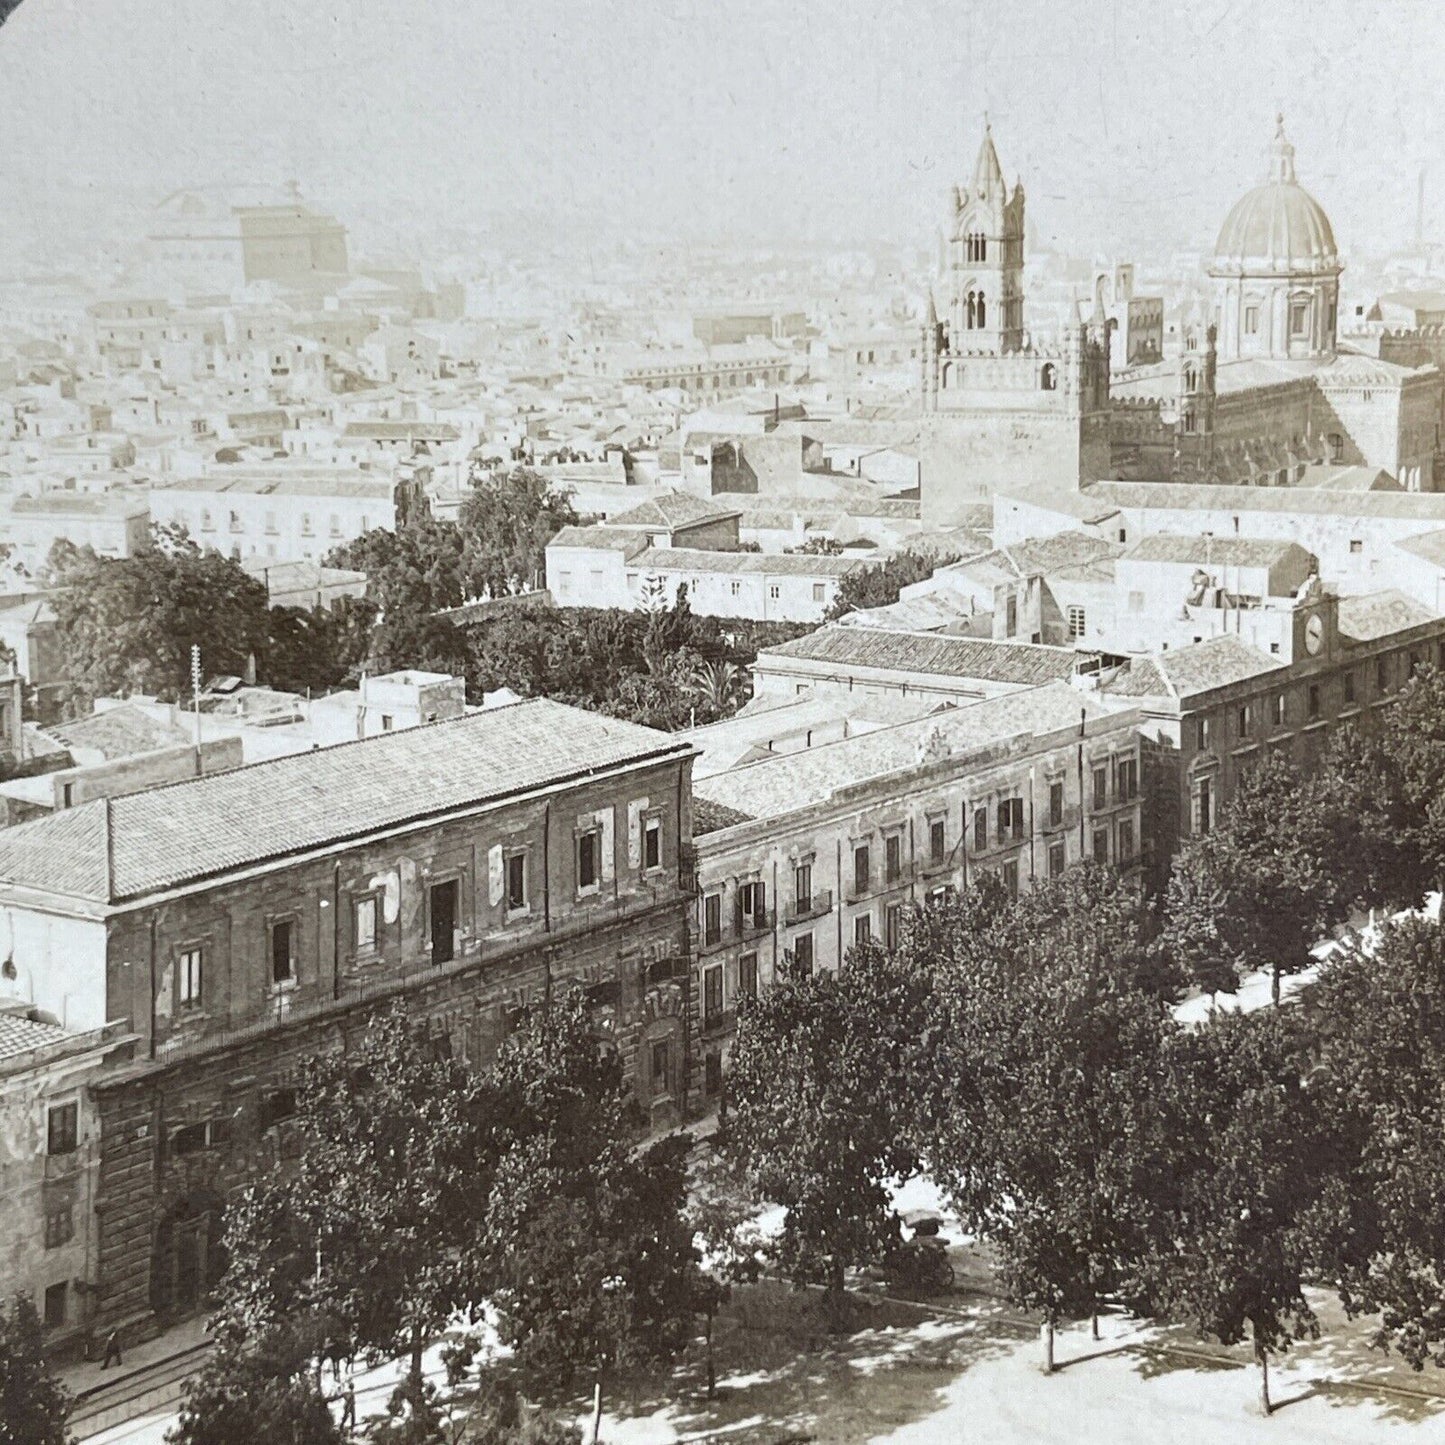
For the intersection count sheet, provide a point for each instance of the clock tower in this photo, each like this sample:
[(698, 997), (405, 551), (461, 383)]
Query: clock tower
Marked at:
[(1316, 624)]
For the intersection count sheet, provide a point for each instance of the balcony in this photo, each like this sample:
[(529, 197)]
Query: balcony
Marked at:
[(811, 907), (64, 1166), (716, 1024), (752, 924)]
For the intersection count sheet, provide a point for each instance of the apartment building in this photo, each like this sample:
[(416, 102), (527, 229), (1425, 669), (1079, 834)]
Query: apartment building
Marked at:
[(803, 853), (234, 924)]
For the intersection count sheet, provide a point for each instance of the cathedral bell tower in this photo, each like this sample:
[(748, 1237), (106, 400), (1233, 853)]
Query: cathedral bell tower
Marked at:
[(985, 258)]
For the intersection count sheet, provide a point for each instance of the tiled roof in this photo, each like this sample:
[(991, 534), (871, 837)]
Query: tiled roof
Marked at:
[(1078, 505), (751, 564), (119, 732), (630, 544), (1378, 614), (1217, 551), (708, 817), (20, 1035), (671, 509), (1428, 507), (1187, 671), (208, 826), (1037, 556), (1024, 663), (790, 781)]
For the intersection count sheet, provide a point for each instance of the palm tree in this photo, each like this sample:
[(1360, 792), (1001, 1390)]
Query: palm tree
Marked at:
[(720, 688)]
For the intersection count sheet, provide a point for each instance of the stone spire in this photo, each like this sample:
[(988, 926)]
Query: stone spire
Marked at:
[(987, 173), (1281, 155)]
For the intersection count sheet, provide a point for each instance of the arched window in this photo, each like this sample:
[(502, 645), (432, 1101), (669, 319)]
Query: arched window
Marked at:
[(972, 310), (982, 312), (1190, 380), (1049, 377), (1189, 424)]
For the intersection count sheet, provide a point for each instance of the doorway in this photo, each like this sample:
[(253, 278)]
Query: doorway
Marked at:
[(444, 900)]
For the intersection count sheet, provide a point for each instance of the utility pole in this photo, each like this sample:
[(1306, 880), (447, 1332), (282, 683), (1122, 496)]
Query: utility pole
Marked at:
[(196, 698)]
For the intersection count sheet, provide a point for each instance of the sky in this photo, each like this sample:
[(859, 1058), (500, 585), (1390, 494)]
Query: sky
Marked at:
[(1134, 123)]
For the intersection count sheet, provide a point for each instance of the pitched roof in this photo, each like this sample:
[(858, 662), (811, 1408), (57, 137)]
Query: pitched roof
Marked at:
[(1187, 671), (119, 732), (1024, 663), (1378, 614), (120, 848), (1426, 506), (671, 509), (1428, 545), (629, 543), (21, 1035), (1036, 556), (1217, 551), (765, 564), (789, 781)]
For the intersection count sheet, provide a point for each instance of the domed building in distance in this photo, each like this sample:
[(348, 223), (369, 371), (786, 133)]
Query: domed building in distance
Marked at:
[(1276, 269)]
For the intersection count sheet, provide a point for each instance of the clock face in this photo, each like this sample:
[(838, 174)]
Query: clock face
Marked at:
[(1314, 634)]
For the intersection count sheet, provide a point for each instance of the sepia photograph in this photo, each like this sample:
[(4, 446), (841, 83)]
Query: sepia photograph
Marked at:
[(722, 725)]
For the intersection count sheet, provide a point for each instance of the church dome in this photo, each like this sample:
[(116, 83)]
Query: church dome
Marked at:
[(1278, 228)]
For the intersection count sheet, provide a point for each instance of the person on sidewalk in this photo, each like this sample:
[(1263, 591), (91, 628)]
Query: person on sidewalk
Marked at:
[(112, 1351), (348, 1410)]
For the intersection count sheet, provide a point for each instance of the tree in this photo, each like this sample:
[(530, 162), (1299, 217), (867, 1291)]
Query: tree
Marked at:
[(1254, 1170), (127, 624), (34, 1406), (506, 521), (720, 687), (819, 1110), (592, 1266), (376, 1235), (260, 1388), (880, 585), (1262, 888), (1377, 1025), (1413, 740), (1044, 1128)]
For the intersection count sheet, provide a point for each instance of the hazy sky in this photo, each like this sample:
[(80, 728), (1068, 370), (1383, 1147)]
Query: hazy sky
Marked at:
[(1127, 118)]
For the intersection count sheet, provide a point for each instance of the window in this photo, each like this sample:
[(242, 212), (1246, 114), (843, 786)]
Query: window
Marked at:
[(67, 795), (862, 868), (803, 953), (748, 975), (1101, 845), (937, 840), (712, 919), (1314, 697), (1382, 674), (892, 926), (62, 1126), (335, 525), (1101, 788), (387, 722), (660, 1061), (862, 929), (589, 853), (735, 588), (803, 887), (283, 954), (59, 1225), (1204, 732), (192, 1138), (55, 1302), (1299, 318), (893, 857), (1277, 713), (652, 844), (1243, 719), (516, 882), (774, 591), (1049, 377), (1126, 841), (1203, 806), (817, 592), (1010, 876), (1337, 454), (1136, 602), (190, 981), (980, 829), (1357, 546), (1056, 804), (1251, 320), (1011, 819), (1349, 681), (306, 524), (1076, 621), (1056, 858), (712, 995), (1011, 614), (271, 524), (753, 906), (278, 1106)]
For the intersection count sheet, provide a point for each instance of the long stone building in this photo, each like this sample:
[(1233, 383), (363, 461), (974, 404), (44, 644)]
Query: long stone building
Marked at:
[(232, 926)]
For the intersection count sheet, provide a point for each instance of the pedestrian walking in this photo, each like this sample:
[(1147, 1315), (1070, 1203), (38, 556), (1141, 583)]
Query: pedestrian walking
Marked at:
[(112, 1351), (348, 1409)]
